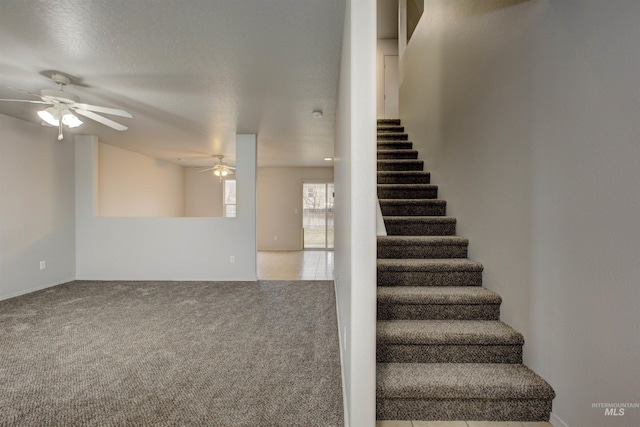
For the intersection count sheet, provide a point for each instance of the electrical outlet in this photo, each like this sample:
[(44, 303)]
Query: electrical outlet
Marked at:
[(43, 265), (232, 259), (275, 237)]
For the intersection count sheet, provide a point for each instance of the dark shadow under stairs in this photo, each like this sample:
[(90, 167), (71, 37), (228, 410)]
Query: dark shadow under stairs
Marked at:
[(442, 351)]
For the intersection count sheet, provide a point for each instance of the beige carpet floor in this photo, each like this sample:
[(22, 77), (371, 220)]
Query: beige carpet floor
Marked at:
[(171, 353)]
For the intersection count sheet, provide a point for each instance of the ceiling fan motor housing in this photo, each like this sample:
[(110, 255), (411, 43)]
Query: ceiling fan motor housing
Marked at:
[(61, 79), (59, 96)]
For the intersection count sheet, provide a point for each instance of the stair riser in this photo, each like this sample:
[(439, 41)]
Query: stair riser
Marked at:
[(420, 229), (449, 353), (421, 251), (428, 278), (393, 136), (398, 155), (407, 193), (438, 312), (426, 209), (388, 122), (409, 165), (395, 145), (463, 409), (390, 128), (422, 178)]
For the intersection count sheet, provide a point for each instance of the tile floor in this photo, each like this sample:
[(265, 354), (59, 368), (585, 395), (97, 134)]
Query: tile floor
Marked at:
[(295, 265), (461, 424)]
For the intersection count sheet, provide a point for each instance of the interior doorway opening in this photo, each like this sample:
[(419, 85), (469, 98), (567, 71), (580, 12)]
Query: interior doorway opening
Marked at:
[(317, 215)]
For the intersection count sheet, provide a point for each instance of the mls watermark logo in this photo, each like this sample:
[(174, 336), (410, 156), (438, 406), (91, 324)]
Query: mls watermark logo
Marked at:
[(615, 409)]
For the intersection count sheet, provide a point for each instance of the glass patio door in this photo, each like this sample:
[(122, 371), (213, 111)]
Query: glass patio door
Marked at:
[(317, 215)]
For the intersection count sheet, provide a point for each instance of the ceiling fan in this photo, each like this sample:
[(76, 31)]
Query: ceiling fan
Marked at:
[(63, 105), (220, 169)]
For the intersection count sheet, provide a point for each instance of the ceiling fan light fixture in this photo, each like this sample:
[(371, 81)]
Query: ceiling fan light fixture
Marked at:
[(50, 116), (71, 120)]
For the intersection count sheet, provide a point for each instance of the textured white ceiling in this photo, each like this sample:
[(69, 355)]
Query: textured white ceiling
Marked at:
[(193, 73)]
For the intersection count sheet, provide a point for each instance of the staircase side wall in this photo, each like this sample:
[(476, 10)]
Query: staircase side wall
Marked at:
[(527, 114)]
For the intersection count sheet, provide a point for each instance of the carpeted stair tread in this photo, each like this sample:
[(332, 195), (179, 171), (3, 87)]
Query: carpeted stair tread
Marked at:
[(460, 381), (458, 332), (447, 341), (440, 295), (418, 219), (407, 191), (403, 177), (397, 154), (413, 207), (395, 145), (429, 265), (400, 165), (393, 136), (384, 122), (401, 187), (401, 246), (422, 241), (406, 250), (420, 225), (437, 302), (428, 272), (411, 202), (390, 128)]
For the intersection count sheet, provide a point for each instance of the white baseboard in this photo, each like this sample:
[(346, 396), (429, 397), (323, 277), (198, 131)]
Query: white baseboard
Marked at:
[(340, 338), (39, 288), (556, 421)]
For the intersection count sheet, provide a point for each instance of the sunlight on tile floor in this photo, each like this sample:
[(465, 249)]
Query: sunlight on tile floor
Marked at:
[(461, 424), (295, 265)]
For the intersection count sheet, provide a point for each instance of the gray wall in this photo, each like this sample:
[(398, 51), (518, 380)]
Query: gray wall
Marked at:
[(37, 214), (165, 248), (203, 193), (280, 205), (131, 184), (528, 115)]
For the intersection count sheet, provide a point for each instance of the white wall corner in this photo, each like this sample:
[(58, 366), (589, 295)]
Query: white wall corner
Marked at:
[(38, 288)]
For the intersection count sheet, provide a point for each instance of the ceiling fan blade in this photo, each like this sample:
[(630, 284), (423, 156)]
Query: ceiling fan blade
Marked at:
[(25, 100), (98, 118), (230, 167), (24, 91), (207, 169), (106, 110)]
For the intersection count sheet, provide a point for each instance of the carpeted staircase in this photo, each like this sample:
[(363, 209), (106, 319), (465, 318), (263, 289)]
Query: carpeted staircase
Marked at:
[(442, 352)]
